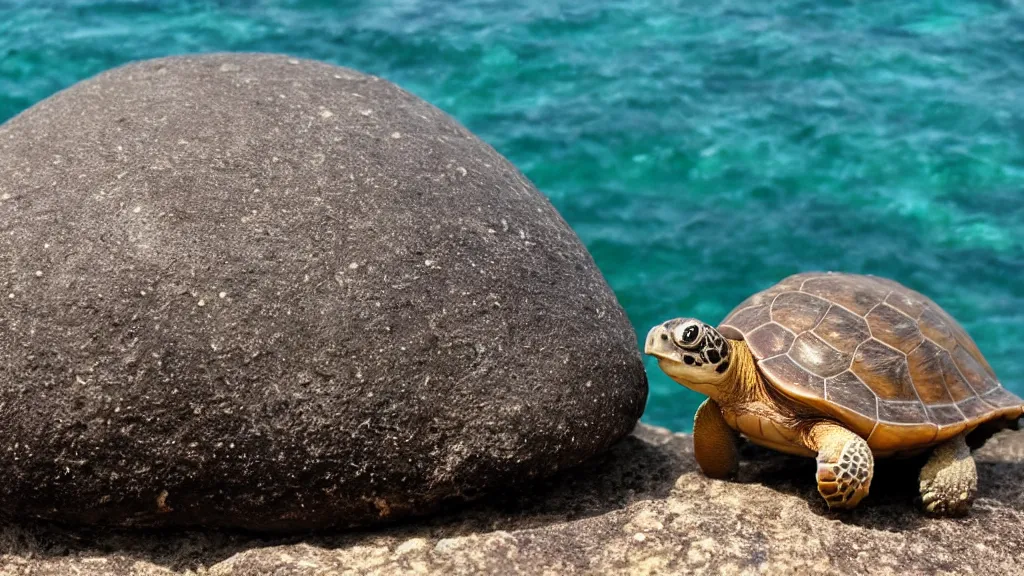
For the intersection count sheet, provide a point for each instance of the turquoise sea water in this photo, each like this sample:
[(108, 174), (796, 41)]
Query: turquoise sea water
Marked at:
[(701, 149)]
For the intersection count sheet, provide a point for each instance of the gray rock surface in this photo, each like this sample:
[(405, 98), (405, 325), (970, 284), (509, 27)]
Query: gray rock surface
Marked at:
[(642, 508), (258, 292)]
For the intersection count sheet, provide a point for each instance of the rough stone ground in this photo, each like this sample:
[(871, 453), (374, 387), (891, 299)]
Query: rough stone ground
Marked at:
[(642, 508)]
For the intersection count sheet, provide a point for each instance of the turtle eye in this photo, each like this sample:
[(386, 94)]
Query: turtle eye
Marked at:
[(688, 336)]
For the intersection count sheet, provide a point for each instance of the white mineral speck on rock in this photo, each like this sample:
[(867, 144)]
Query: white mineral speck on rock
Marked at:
[(700, 551), (639, 537), (137, 209), (429, 262), (5, 197), (366, 112), (39, 273), (227, 67), (462, 171), (646, 521), (446, 545), (411, 545), (353, 266), (396, 135), (222, 295), (326, 114), (202, 303), (11, 295)]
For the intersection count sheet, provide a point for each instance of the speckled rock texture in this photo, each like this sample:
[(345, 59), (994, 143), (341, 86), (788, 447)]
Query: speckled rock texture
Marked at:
[(251, 291), (642, 508)]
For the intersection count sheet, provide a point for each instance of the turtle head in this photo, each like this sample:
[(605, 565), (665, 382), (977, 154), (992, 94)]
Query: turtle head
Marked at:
[(693, 353)]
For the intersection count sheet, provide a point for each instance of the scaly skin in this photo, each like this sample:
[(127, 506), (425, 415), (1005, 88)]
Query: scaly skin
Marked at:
[(949, 480), (845, 464)]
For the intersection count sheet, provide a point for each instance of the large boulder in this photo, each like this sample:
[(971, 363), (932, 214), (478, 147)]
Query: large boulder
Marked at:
[(259, 292), (642, 508)]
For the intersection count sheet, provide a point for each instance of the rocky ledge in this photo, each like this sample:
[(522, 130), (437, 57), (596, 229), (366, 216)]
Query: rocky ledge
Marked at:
[(641, 508)]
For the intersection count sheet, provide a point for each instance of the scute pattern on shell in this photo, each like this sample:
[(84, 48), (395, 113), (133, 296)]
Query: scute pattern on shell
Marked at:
[(878, 356)]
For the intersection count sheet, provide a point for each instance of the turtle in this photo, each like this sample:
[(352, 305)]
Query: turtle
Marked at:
[(843, 368)]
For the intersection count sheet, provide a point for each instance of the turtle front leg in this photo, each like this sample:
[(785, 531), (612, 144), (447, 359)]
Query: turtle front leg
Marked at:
[(715, 444), (845, 464), (949, 480)]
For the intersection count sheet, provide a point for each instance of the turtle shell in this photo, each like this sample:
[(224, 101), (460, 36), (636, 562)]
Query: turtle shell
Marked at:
[(875, 355)]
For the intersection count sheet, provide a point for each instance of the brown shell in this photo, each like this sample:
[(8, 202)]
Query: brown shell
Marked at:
[(876, 355)]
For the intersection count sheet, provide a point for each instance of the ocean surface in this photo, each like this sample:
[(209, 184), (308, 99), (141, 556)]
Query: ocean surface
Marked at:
[(702, 149)]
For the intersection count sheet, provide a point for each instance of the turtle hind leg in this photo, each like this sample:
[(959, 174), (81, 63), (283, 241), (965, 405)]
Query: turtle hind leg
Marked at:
[(949, 480), (845, 464)]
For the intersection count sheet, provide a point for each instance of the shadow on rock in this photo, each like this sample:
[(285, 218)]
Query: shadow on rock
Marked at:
[(650, 473), (631, 470), (894, 501)]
